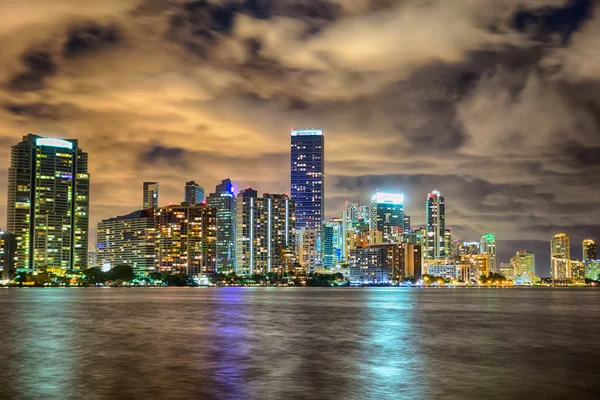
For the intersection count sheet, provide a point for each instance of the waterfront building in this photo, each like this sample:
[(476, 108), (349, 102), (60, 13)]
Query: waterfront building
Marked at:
[(523, 262), (436, 225), (478, 264), (589, 250), (444, 270), (224, 201), (48, 203), (186, 239), (592, 270), (265, 227), (387, 215), (375, 264), (508, 270), (193, 193), (127, 240), (361, 236), (447, 242), (332, 242), (308, 182), (352, 214), (8, 248), (488, 246), (306, 249), (560, 257), (150, 195)]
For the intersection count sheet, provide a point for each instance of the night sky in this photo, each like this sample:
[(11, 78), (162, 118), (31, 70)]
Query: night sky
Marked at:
[(494, 103)]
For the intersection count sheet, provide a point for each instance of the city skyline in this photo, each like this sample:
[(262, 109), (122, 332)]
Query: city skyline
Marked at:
[(442, 117)]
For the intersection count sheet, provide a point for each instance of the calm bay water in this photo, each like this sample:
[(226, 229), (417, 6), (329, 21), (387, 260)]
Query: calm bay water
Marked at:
[(300, 343)]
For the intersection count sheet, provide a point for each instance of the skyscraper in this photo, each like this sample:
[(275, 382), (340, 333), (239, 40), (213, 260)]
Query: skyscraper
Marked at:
[(560, 257), (48, 203), (589, 250), (332, 242), (150, 195), (186, 239), (436, 225), (308, 181), (352, 214), (488, 246), (523, 262), (407, 227), (223, 199), (387, 215), (128, 240), (265, 231), (8, 246), (194, 193)]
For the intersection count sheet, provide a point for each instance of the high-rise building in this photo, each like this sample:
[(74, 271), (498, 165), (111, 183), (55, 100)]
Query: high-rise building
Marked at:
[(308, 181), (407, 227), (361, 236), (507, 270), (560, 257), (265, 230), (387, 215), (8, 247), (48, 203), (127, 240), (589, 250), (447, 242), (223, 199), (522, 263), (436, 225), (150, 195), (353, 213), (488, 246), (186, 239), (560, 246), (332, 242), (385, 262), (477, 264), (306, 249), (194, 193)]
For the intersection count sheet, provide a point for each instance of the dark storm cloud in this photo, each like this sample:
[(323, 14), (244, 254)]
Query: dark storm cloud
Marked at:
[(162, 154), (34, 110), (90, 37), (38, 65), (302, 9)]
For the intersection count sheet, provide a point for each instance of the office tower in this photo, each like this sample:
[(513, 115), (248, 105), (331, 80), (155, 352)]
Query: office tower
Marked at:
[(8, 248), (352, 214), (523, 263), (332, 242), (560, 257), (488, 246), (127, 240), (447, 242), (305, 247), (186, 239), (589, 250), (308, 181), (265, 231), (436, 225), (385, 262), (194, 193), (387, 215), (223, 199), (150, 195), (92, 257), (406, 224), (48, 203), (361, 236)]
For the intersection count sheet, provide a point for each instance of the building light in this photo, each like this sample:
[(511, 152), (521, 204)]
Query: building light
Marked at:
[(53, 142)]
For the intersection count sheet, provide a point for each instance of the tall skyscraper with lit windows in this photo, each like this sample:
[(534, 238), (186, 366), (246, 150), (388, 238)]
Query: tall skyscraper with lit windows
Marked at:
[(387, 215), (307, 182), (436, 225), (224, 201), (588, 247), (488, 246), (48, 203), (150, 195), (194, 193)]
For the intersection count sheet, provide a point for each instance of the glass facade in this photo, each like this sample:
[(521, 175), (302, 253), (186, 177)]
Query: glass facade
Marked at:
[(308, 181), (387, 216), (223, 200), (194, 193), (48, 203), (436, 225), (150, 195)]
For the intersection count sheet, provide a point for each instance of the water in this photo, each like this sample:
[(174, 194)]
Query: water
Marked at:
[(300, 343)]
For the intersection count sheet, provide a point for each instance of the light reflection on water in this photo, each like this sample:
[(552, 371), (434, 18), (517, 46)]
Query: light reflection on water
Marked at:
[(272, 343)]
